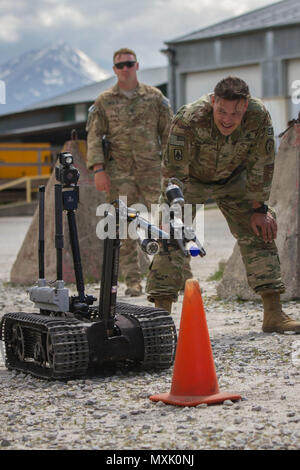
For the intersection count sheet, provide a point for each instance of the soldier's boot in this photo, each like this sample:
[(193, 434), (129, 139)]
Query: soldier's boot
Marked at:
[(275, 320), (134, 289), (164, 302)]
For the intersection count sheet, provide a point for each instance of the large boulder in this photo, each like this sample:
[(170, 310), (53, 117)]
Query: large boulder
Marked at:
[(25, 268), (285, 198)]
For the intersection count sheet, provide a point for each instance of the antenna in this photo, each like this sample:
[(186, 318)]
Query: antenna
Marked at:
[(41, 232), (59, 238)]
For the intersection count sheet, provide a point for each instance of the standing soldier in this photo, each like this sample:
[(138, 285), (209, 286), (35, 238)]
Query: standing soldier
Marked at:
[(222, 147), (135, 119)]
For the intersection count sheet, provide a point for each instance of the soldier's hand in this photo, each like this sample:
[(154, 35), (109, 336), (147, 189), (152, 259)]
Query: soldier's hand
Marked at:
[(102, 181), (264, 225)]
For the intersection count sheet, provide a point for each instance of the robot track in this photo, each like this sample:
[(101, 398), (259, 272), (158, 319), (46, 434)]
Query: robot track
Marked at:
[(45, 346), (159, 334), (58, 348)]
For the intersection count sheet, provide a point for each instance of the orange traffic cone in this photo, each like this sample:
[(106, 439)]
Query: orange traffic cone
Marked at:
[(194, 377)]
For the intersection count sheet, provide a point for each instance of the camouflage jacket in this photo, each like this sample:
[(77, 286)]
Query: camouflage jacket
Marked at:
[(196, 148), (136, 128)]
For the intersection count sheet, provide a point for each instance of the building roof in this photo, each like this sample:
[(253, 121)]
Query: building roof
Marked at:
[(155, 77), (286, 12), (43, 128)]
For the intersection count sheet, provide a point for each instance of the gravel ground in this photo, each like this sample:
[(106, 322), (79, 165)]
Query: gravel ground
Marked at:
[(113, 412)]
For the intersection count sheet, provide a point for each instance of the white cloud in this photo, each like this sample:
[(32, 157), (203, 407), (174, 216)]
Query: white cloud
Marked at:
[(10, 27), (61, 15), (99, 27)]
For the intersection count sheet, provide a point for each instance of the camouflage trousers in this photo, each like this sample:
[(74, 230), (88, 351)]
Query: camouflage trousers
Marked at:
[(139, 188), (260, 259)]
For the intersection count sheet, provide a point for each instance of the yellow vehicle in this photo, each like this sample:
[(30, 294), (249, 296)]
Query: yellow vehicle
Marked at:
[(24, 159)]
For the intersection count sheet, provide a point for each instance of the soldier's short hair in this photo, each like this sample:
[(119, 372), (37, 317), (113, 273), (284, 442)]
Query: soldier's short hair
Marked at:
[(232, 88), (124, 50)]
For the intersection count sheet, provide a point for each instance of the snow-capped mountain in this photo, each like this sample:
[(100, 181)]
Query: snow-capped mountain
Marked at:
[(41, 74)]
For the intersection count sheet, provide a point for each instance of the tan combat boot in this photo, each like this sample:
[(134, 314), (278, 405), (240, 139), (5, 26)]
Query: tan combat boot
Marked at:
[(134, 290), (275, 320), (164, 302)]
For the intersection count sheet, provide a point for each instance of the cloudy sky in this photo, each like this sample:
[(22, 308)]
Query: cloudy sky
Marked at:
[(99, 27)]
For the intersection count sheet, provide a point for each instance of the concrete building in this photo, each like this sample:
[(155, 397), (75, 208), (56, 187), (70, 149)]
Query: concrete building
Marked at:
[(262, 47)]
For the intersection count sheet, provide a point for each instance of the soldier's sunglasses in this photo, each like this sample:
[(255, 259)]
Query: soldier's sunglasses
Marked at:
[(128, 64)]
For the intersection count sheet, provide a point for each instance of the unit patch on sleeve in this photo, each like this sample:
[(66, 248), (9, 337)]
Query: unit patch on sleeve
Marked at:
[(269, 146), (178, 155), (165, 102)]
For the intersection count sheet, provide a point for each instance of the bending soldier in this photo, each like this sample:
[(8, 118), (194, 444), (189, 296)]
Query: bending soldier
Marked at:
[(222, 147)]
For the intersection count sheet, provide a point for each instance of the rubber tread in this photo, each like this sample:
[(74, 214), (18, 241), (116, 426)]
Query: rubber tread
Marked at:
[(70, 355), (159, 333)]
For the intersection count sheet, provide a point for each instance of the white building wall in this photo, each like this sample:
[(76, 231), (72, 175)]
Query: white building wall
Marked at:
[(200, 83), (80, 112)]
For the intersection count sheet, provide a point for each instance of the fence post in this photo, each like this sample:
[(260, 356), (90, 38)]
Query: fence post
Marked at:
[(28, 190)]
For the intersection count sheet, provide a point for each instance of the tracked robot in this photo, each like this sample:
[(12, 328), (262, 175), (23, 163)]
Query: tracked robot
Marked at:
[(75, 336)]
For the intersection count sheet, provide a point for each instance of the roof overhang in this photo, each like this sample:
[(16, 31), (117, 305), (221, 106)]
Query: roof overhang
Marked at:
[(45, 128)]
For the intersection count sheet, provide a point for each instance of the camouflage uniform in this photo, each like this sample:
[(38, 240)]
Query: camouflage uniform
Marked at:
[(137, 129), (234, 170)]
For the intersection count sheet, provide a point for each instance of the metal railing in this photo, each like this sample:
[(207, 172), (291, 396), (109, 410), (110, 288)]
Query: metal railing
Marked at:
[(27, 180)]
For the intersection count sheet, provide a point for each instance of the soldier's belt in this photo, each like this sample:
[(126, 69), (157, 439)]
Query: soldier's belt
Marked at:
[(223, 181)]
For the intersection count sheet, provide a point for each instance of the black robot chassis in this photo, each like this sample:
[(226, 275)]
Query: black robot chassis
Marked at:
[(64, 348), (70, 337)]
